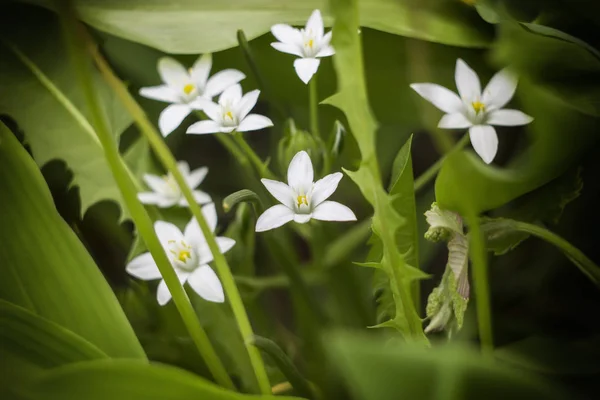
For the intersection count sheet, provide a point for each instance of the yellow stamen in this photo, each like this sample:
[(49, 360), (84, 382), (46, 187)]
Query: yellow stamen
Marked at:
[(478, 106), (229, 115), (311, 43), (189, 88), (302, 200), (184, 255)]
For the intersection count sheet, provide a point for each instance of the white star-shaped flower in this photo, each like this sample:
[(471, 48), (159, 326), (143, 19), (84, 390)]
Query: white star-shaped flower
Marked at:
[(301, 198), (166, 192), (189, 255), (231, 113), (475, 109), (310, 44), (183, 88)]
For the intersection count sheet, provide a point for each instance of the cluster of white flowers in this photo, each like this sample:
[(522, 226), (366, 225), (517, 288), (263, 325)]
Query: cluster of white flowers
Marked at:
[(301, 198)]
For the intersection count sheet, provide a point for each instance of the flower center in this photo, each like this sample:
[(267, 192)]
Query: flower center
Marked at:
[(310, 43), (182, 255), (302, 200), (478, 106), (189, 88), (229, 117), (172, 187)]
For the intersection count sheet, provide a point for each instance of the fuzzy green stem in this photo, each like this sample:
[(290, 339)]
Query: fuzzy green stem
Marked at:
[(129, 193), (314, 107), (169, 162), (262, 170), (432, 171), (478, 255)]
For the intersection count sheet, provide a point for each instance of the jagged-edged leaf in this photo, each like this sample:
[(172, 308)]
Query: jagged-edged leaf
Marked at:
[(45, 268), (176, 27), (352, 100), (40, 94), (127, 380)]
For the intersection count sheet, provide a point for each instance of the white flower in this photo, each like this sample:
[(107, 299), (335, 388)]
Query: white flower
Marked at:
[(309, 44), (301, 198), (231, 113), (189, 255), (166, 192), (183, 88), (476, 110)]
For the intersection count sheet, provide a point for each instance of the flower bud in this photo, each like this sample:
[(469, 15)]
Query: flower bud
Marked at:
[(296, 140)]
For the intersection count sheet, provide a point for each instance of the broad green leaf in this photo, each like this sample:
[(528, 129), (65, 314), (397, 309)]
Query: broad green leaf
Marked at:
[(40, 94), (544, 205), (176, 27), (352, 100), (127, 380), (380, 370), (45, 268), (558, 138)]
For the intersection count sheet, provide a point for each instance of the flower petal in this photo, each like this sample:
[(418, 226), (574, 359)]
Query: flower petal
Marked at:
[(254, 122), (484, 141), (166, 231), (204, 127), (333, 211), (247, 103), (302, 218), (205, 255), (205, 282), (160, 200), (282, 192), (172, 72), (201, 70), (163, 295), (196, 177), (231, 95), (199, 196), (306, 68), (467, 82), (300, 173), (171, 117), (326, 51), (160, 93), (286, 34), (439, 96), (192, 232), (273, 218), (156, 183), (454, 121), (500, 90), (507, 117), (221, 81), (324, 187), (184, 168), (213, 111), (315, 24), (143, 267), (290, 48)]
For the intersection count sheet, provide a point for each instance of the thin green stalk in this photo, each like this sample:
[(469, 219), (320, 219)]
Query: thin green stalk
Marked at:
[(169, 162), (129, 193), (314, 107), (585, 265), (261, 168), (432, 171), (478, 255)]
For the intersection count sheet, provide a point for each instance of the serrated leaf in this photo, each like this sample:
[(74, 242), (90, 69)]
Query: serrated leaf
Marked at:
[(40, 94), (45, 268)]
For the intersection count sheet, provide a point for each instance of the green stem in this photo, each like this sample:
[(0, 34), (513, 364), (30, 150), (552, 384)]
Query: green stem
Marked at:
[(169, 162), (585, 265), (129, 193), (262, 170), (314, 107), (477, 252), (432, 171)]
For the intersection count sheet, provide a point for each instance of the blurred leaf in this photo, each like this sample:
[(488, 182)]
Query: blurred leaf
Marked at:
[(554, 147), (176, 27), (127, 380), (41, 95), (545, 205), (380, 371), (45, 268)]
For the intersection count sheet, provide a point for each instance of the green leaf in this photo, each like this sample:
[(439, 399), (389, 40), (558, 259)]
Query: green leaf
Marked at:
[(380, 370), (40, 341), (176, 27), (352, 100), (127, 380), (41, 95), (544, 205), (45, 268)]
